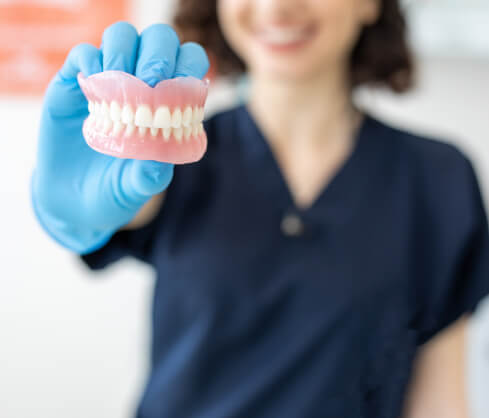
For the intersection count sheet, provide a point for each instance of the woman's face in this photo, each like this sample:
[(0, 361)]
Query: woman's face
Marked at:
[(294, 39)]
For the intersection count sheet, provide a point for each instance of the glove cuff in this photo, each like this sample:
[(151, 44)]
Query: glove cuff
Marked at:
[(78, 240)]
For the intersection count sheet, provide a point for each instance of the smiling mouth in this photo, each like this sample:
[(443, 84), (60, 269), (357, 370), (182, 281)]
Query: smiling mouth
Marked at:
[(285, 38)]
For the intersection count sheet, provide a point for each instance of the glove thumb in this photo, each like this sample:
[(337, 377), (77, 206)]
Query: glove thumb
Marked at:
[(140, 180)]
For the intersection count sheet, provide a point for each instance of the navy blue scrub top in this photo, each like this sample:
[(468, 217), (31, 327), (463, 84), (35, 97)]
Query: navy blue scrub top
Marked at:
[(263, 310)]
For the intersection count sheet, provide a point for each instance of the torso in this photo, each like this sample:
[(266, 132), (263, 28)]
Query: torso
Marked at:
[(308, 166), (250, 321), (308, 170)]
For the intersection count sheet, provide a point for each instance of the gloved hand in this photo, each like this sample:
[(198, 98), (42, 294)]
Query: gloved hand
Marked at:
[(82, 197)]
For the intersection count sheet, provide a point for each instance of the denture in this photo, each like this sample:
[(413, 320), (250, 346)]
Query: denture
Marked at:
[(129, 119)]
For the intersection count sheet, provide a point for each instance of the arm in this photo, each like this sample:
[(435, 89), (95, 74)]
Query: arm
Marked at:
[(80, 196), (147, 212), (437, 388)]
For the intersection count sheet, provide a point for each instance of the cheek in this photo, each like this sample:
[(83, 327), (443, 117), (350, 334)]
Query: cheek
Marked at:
[(232, 17), (340, 27)]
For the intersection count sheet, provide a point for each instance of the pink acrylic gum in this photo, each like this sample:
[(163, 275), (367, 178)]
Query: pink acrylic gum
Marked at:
[(105, 132)]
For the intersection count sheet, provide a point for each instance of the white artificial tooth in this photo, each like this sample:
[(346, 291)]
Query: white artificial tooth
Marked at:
[(162, 118), (107, 125), (127, 115), (166, 134), (142, 130), (96, 109), (118, 126), (154, 132), (176, 119), (143, 117), (201, 114), (195, 116), (91, 106), (178, 133), (187, 116), (104, 109), (201, 128), (115, 111), (91, 121), (130, 129), (99, 122), (195, 130), (187, 131)]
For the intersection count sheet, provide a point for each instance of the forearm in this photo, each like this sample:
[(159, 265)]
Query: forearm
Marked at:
[(437, 388), (147, 212)]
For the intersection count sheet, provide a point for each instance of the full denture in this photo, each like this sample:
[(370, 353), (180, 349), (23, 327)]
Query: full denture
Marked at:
[(129, 119)]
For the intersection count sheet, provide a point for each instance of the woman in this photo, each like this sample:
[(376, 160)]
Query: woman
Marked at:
[(316, 262)]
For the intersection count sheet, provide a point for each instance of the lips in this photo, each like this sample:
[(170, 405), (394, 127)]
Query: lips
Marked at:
[(283, 36)]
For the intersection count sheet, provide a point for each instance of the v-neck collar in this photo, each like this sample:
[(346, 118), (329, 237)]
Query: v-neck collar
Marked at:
[(340, 195)]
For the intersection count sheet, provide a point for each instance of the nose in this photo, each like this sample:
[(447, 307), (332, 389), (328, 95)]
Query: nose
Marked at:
[(279, 10)]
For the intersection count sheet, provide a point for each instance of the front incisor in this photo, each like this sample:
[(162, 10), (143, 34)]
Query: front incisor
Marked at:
[(162, 118), (176, 119), (127, 116), (178, 134), (143, 117), (166, 134)]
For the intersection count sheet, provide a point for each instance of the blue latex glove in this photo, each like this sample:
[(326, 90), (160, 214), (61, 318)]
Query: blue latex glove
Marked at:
[(82, 197)]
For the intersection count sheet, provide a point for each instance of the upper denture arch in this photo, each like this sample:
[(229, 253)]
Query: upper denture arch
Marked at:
[(119, 102)]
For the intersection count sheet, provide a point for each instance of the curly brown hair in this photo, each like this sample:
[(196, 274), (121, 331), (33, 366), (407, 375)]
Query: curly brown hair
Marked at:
[(381, 56)]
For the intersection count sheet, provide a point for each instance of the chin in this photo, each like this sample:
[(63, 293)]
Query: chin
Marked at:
[(296, 65), (292, 71)]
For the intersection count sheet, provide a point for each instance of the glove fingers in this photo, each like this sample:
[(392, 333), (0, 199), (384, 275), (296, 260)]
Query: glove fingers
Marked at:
[(83, 57), (191, 61), (64, 101), (120, 43), (157, 54), (142, 179)]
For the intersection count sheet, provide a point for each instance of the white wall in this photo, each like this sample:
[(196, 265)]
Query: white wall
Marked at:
[(74, 344)]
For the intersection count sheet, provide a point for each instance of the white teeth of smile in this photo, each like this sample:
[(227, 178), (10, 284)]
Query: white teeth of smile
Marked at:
[(283, 36), (115, 119)]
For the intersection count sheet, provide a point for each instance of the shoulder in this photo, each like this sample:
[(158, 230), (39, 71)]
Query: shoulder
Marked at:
[(433, 164), (427, 154), (440, 178)]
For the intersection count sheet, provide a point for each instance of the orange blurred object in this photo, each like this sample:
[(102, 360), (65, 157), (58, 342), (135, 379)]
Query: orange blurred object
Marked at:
[(36, 36)]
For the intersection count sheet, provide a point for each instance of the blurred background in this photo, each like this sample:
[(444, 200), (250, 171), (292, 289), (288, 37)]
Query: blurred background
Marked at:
[(74, 343)]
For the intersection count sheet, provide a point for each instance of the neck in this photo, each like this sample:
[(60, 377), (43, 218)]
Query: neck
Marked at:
[(315, 111)]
